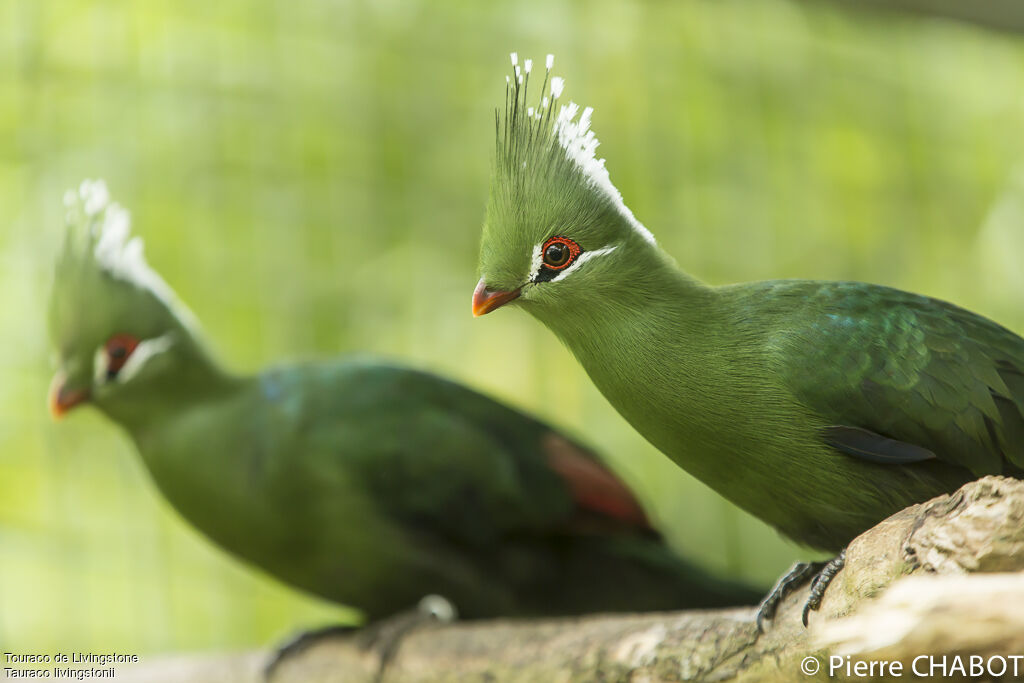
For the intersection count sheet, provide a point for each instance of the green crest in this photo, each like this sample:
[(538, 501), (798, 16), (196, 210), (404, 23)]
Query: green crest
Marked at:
[(103, 287), (546, 180)]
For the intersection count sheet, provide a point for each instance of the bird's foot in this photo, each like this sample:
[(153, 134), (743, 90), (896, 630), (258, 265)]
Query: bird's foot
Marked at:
[(789, 582), (381, 637), (821, 583), (820, 574), (300, 643), (385, 636)]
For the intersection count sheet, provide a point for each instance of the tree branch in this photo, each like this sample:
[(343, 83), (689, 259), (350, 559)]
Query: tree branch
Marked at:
[(980, 528)]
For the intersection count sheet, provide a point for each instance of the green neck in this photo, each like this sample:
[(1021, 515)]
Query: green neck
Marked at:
[(667, 334), (194, 378), (625, 320)]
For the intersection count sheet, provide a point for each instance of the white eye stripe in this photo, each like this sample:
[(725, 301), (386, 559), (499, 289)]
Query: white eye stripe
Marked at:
[(537, 261), (581, 259), (146, 350)]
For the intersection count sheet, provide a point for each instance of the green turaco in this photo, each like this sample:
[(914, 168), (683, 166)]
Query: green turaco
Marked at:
[(359, 481), (819, 407)]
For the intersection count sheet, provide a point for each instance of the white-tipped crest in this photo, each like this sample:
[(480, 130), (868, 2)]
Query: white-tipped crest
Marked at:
[(94, 196), (580, 145), (571, 129), (114, 250)]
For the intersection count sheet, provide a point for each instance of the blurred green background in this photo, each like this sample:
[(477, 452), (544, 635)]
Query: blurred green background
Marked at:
[(310, 175)]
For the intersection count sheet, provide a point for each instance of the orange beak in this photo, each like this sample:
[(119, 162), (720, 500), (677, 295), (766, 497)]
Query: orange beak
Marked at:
[(486, 300), (63, 399)]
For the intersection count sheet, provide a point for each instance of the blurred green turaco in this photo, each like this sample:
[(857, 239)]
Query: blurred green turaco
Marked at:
[(361, 482), (819, 407)]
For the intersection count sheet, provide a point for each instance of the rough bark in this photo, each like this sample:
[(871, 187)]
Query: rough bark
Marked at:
[(951, 560)]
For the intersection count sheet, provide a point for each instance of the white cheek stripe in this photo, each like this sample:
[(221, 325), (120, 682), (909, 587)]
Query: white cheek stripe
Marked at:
[(99, 367), (535, 262), (581, 259)]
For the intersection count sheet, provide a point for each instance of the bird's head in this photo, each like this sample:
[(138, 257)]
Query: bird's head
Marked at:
[(557, 235), (116, 327)]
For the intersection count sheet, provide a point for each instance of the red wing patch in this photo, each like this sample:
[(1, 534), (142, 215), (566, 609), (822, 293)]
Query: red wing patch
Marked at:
[(592, 487)]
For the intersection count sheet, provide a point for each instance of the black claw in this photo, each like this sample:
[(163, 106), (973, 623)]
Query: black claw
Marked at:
[(301, 642), (821, 583), (789, 582)]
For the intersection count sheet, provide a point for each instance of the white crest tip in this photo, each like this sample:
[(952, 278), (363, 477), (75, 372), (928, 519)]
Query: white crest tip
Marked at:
[(94, 195), (571, 129), (580, 144)]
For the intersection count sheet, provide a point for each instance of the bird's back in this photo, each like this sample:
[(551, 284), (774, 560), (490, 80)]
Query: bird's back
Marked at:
[(901, 398), (912, 368), (373, 484)]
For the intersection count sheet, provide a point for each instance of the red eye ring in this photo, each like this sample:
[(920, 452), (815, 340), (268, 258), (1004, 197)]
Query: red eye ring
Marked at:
[(118, 349), (562, 256)]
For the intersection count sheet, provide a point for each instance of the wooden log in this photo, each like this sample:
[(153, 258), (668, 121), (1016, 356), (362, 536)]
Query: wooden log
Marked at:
[(951, 561)]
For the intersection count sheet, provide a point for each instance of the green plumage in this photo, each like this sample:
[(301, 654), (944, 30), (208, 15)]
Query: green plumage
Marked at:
[(820, 407), (373, 485), (359, 481)]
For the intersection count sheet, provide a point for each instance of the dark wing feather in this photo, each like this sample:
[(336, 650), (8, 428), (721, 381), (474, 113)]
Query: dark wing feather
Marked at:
[(457, 464), (906, 368), (1012, 434), (874, 447)]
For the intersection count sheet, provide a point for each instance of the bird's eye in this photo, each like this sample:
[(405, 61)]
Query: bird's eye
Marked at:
[(119, 348), (559, 252)]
